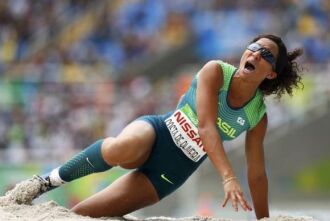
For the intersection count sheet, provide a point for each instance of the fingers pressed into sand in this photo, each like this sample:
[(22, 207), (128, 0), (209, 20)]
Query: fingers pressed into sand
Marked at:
[(225, 200), (234, 201), (244, 204)]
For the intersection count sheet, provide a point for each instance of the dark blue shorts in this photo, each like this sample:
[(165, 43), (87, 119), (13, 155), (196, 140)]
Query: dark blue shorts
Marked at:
[(167, 166)]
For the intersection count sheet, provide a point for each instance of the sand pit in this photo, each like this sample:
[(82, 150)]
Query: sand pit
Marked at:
[(17, 205), (50, 211)]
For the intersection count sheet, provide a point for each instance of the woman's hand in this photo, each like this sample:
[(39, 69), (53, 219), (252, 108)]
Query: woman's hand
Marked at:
[(233, 191)]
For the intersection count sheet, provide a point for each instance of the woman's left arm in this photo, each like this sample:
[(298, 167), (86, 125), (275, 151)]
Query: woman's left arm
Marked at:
[(256, 171)]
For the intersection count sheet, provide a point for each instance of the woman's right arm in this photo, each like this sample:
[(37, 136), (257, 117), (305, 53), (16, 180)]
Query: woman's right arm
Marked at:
[(210, 80)]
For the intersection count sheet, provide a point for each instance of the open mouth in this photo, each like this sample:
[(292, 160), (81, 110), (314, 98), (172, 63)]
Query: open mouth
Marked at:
[(249, 66)]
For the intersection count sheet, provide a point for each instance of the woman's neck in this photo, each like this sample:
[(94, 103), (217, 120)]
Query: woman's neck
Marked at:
[(241, 91)]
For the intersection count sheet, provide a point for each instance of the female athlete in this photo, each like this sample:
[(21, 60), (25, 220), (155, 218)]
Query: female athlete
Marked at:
[(221, 103)]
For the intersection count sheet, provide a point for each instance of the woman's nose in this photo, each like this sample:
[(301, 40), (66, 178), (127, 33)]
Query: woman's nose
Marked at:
[(257, 55)]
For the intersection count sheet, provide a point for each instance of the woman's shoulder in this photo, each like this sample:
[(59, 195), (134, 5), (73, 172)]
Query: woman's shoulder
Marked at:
[(225, 64), (220, 65)]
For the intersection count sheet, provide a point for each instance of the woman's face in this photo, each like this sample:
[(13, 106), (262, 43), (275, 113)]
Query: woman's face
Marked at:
[(258, 61)]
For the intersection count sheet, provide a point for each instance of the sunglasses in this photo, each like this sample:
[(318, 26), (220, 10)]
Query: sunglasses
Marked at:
[(265, 53)]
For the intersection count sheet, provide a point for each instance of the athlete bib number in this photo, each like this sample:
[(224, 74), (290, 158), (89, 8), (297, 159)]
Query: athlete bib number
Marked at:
[(185, 135)]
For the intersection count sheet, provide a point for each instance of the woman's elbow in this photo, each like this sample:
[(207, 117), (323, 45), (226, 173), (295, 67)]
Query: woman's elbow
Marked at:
[(205, 134), (202, 131)]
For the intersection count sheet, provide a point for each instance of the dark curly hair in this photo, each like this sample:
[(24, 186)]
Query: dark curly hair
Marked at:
[(286, 68)]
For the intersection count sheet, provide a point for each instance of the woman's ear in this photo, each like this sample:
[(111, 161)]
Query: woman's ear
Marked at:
[(271, 75)]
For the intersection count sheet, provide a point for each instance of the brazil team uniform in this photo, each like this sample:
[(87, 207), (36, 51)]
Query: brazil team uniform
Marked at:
[(178, 148)]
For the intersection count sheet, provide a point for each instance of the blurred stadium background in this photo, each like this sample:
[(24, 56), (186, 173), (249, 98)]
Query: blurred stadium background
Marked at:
[(72, 71)]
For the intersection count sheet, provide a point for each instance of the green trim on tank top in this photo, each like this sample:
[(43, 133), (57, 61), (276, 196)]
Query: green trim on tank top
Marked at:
[(250, 107), (186, 109)]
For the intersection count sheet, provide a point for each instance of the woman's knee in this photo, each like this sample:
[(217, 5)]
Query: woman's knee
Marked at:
[(118, 150)]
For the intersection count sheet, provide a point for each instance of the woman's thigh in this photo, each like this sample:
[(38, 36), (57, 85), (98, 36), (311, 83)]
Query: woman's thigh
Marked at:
[(131, 147)]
